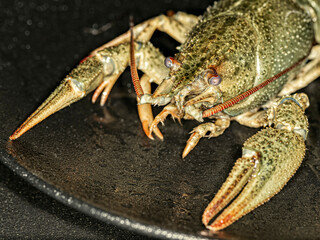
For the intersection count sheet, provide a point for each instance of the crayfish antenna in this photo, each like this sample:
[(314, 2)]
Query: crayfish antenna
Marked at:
[(133, 68)]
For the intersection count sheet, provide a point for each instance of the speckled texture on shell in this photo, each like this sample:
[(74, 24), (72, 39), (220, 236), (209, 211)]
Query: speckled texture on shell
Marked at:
[(281, 153), (270, 158), (247, 42), (313, 7), (86, 72), (289, 114), (91, 71)]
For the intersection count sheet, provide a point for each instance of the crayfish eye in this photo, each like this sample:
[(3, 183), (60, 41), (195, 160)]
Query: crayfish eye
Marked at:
[(170, 62), (212, 77), (215, 80)]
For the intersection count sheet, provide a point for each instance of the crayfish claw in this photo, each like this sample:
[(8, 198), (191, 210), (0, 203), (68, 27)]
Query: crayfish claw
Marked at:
[(156, 131), (238, 177), (154, 127), (146, 118), (257, 177), (69, 91), (269, 160), (104, 88), (169, 109), (145, 127)]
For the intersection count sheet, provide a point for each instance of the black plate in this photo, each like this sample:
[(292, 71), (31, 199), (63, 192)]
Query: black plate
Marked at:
[(97, 159)]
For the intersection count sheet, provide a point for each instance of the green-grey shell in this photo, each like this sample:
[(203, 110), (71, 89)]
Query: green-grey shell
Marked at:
[(247, 42)]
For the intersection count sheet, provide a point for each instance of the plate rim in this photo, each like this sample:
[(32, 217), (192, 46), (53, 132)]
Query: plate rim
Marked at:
[(67, 199)]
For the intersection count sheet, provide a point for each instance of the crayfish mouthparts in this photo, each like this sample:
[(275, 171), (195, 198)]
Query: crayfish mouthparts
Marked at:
[(160, 101)]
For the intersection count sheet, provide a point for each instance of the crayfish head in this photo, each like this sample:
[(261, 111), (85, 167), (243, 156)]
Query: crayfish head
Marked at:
[(216, 63), (190, 97)]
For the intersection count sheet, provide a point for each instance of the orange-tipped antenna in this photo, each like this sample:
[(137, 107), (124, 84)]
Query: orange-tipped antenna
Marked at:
[(232, 101), (133, 67)]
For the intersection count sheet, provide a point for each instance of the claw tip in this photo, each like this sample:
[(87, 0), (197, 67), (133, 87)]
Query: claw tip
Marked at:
[(158, 133), (211, 228), (184, 154), (12, 137), (186, 151), (150, 136), (17, 133)]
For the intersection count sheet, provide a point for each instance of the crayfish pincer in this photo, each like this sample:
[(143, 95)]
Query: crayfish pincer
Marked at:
[(269, 159), (243, 60)]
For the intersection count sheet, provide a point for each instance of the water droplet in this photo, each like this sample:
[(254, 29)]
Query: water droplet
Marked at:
[(20, 4)]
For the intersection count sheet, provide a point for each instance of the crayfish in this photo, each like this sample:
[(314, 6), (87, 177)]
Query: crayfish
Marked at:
[(242, 60)]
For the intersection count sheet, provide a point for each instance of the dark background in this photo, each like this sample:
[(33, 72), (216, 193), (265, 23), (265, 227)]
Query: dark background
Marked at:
[(40, 42)]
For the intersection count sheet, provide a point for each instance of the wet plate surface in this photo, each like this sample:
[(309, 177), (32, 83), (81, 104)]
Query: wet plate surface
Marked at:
[(97, 159)]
